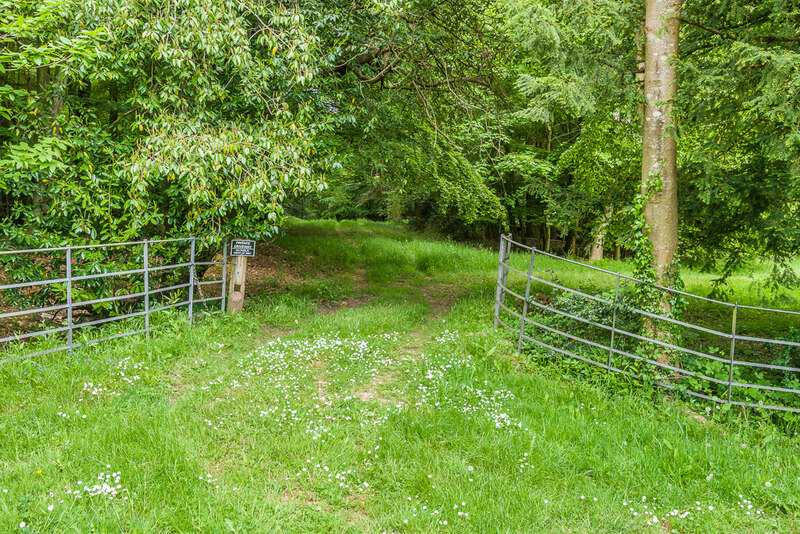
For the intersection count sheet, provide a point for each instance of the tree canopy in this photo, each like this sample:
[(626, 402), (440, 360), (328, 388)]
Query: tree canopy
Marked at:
[(157, 118)]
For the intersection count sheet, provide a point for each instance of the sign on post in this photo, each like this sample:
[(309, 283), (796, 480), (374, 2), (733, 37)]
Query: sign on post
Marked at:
[(241, 249)]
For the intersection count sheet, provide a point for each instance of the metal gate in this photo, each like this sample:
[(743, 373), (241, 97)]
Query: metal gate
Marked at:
[(733, 373), (142, 288)]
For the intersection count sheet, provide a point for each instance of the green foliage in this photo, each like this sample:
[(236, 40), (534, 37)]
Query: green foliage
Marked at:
[(579, 54), (124, 120), (738, 144), (121, 120), (407, 165)]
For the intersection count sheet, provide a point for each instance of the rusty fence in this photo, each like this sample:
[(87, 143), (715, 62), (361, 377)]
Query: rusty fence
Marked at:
[(76, 296), (712, 354)]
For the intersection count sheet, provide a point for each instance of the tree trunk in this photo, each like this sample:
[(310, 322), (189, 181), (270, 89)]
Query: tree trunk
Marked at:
[(572, 237), (597, 248), (659, 147), (617, 252), (640, 68), (57, 87), (600, 236), (547, 234), (42, 78)]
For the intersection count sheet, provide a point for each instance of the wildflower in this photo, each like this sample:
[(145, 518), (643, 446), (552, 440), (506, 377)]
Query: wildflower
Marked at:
[(22, 524), (768, 484), (50, 508)]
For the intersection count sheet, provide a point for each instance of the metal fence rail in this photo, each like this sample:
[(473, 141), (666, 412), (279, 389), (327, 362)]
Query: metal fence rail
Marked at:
[(142, 301), (616, 349)]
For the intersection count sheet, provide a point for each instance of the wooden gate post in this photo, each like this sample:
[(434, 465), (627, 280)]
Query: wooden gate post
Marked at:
[(236, 286), (241, 249)]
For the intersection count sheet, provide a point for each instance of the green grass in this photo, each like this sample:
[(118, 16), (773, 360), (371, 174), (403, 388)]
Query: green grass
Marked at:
[(747, 286), (383, 416)]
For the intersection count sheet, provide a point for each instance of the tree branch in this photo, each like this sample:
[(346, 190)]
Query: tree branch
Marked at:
[(462, 79), (731, 37), (696, 24)]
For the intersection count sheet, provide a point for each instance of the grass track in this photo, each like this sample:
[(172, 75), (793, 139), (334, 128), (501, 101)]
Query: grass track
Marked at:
[(368, 395)]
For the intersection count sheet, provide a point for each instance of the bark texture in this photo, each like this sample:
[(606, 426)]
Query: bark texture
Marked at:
[(659, 148), (600, 237), (572, 237), (597, 248), (547, 234)]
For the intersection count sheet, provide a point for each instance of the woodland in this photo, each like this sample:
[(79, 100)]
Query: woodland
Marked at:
[(667, 131), (367, 146)]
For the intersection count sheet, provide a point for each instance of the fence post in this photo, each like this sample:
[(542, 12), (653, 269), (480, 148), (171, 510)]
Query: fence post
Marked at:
[(733, 349), (191, 280), (525, 303), (224, 272), (146, 264), (69, 299), (613, 325), (506, 260), (500, 281)]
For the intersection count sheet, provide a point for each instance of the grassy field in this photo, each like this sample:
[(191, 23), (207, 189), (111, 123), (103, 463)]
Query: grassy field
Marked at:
[(748, 286), (364, 390)]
